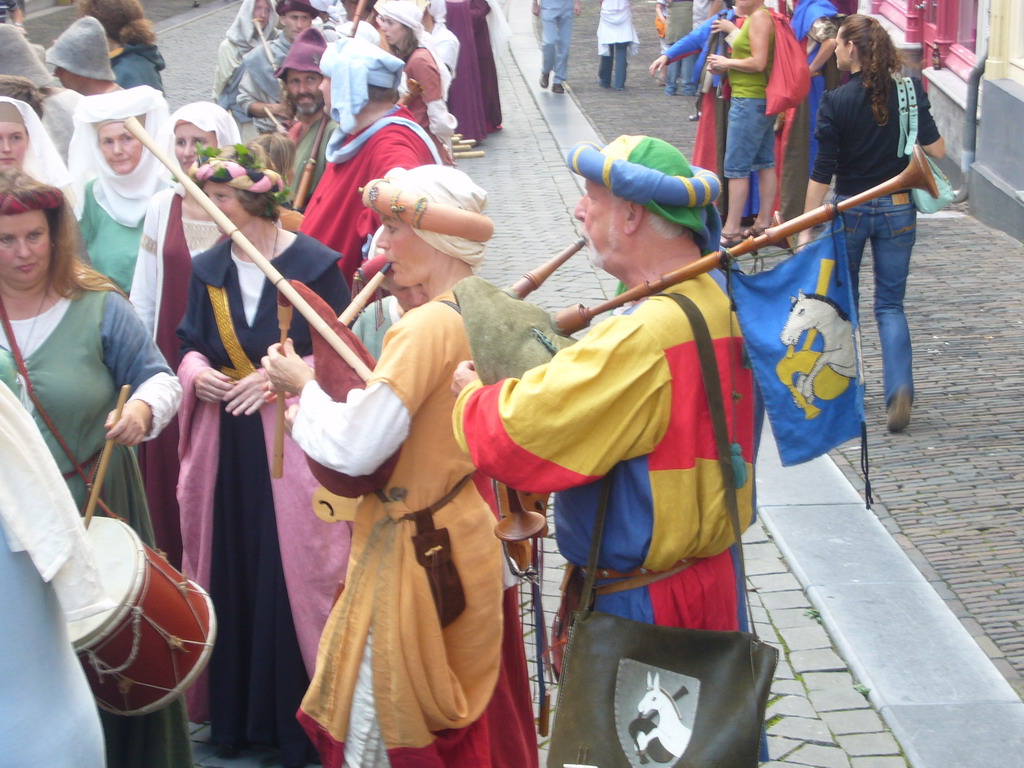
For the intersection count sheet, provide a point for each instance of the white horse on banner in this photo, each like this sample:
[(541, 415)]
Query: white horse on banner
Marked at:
[(811, 314)]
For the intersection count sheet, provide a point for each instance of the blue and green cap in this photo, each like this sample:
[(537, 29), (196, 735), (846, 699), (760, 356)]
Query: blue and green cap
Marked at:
[(656, 175)]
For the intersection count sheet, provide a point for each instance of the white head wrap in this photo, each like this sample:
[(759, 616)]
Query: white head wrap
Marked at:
[(39, 516), (242, 32), (125, 198), (438, 10), (353, 64), (42, 160), (443, 184), (334, 9), (410, 14), (206, 116)]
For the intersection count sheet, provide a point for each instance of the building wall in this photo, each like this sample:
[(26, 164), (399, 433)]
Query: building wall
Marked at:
[(996, 181), (997, 175)]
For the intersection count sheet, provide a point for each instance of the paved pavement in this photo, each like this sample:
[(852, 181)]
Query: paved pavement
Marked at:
[(835, 586)]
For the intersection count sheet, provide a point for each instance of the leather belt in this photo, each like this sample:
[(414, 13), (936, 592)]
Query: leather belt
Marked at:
[(638, 577)]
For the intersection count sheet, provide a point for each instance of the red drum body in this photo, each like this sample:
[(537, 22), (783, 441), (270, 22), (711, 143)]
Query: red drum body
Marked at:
[(147, 650)]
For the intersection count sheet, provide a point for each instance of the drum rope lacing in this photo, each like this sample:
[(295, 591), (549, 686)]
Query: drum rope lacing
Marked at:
[(101, 667), (173, 641)]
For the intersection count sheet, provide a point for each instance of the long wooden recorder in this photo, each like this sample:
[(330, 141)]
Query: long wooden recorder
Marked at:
[(101, 470), (284, 323), (134, 127)]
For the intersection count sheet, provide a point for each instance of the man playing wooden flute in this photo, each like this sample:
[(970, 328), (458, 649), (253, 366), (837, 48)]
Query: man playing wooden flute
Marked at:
[(628, 402)]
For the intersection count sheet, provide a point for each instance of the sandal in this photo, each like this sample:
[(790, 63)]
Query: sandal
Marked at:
[(731, 241), (752, 231)]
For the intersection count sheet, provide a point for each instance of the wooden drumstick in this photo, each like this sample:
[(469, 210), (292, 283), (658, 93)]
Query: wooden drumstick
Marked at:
[(101, 470), (284, 322)]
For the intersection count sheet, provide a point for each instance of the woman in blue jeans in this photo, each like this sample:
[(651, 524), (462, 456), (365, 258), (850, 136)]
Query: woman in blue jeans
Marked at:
[(858, 134)]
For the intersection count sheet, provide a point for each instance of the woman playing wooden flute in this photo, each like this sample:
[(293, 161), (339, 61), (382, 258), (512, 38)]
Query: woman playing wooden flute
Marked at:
[(411, 654)]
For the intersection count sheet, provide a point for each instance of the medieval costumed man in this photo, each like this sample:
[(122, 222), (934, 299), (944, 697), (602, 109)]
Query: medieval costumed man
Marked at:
[(259, 91), (300, 73), (631, 407), (373, 136)]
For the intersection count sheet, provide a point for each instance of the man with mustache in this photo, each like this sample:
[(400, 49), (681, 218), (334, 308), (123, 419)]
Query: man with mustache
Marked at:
[(259, 94), (300, 73)]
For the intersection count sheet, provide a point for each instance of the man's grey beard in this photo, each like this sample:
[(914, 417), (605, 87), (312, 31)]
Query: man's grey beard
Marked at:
[(306, 110)]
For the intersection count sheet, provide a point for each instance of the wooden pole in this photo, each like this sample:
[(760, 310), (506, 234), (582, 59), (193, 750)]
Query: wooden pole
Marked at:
[(306, 180), (273, 68), (317, 323)]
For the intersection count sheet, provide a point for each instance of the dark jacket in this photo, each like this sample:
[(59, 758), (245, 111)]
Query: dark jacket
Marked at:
[(138, 65)]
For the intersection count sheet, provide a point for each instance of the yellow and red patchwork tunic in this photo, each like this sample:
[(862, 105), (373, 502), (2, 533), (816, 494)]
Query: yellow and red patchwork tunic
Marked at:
[(628, 400)]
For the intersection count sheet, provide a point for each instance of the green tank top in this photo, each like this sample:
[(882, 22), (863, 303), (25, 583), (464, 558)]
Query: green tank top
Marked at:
[(750, 85)]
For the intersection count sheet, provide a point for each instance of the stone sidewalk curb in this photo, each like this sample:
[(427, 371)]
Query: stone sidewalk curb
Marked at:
[(941, 695)]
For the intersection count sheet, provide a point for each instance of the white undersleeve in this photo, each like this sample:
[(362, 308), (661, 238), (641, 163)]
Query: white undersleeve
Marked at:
[(354, 437)]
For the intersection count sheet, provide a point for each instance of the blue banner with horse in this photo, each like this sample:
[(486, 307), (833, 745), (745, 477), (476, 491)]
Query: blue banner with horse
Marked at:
[(799, 322)]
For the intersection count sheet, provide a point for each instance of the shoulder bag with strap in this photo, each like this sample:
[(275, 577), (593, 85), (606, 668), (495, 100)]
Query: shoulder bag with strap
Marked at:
[(708, 688), (907, 98)]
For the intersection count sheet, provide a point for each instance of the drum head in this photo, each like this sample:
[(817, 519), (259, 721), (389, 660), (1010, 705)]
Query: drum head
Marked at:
[(121, 558)]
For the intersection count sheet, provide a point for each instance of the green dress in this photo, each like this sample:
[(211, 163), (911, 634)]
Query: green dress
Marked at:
[(113, 248), (76, 374)]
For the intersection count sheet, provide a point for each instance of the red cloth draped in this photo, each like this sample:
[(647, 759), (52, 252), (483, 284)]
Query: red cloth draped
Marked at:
[(158, 458)]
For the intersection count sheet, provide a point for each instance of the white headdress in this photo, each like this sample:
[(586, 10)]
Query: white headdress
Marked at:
[(443, 184), (206, 116), (42, 160), (410, 14), (242, 32), (124, 197)]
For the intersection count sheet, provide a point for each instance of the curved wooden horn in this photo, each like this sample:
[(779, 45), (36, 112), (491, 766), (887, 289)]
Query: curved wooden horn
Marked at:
[(917, 175)]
